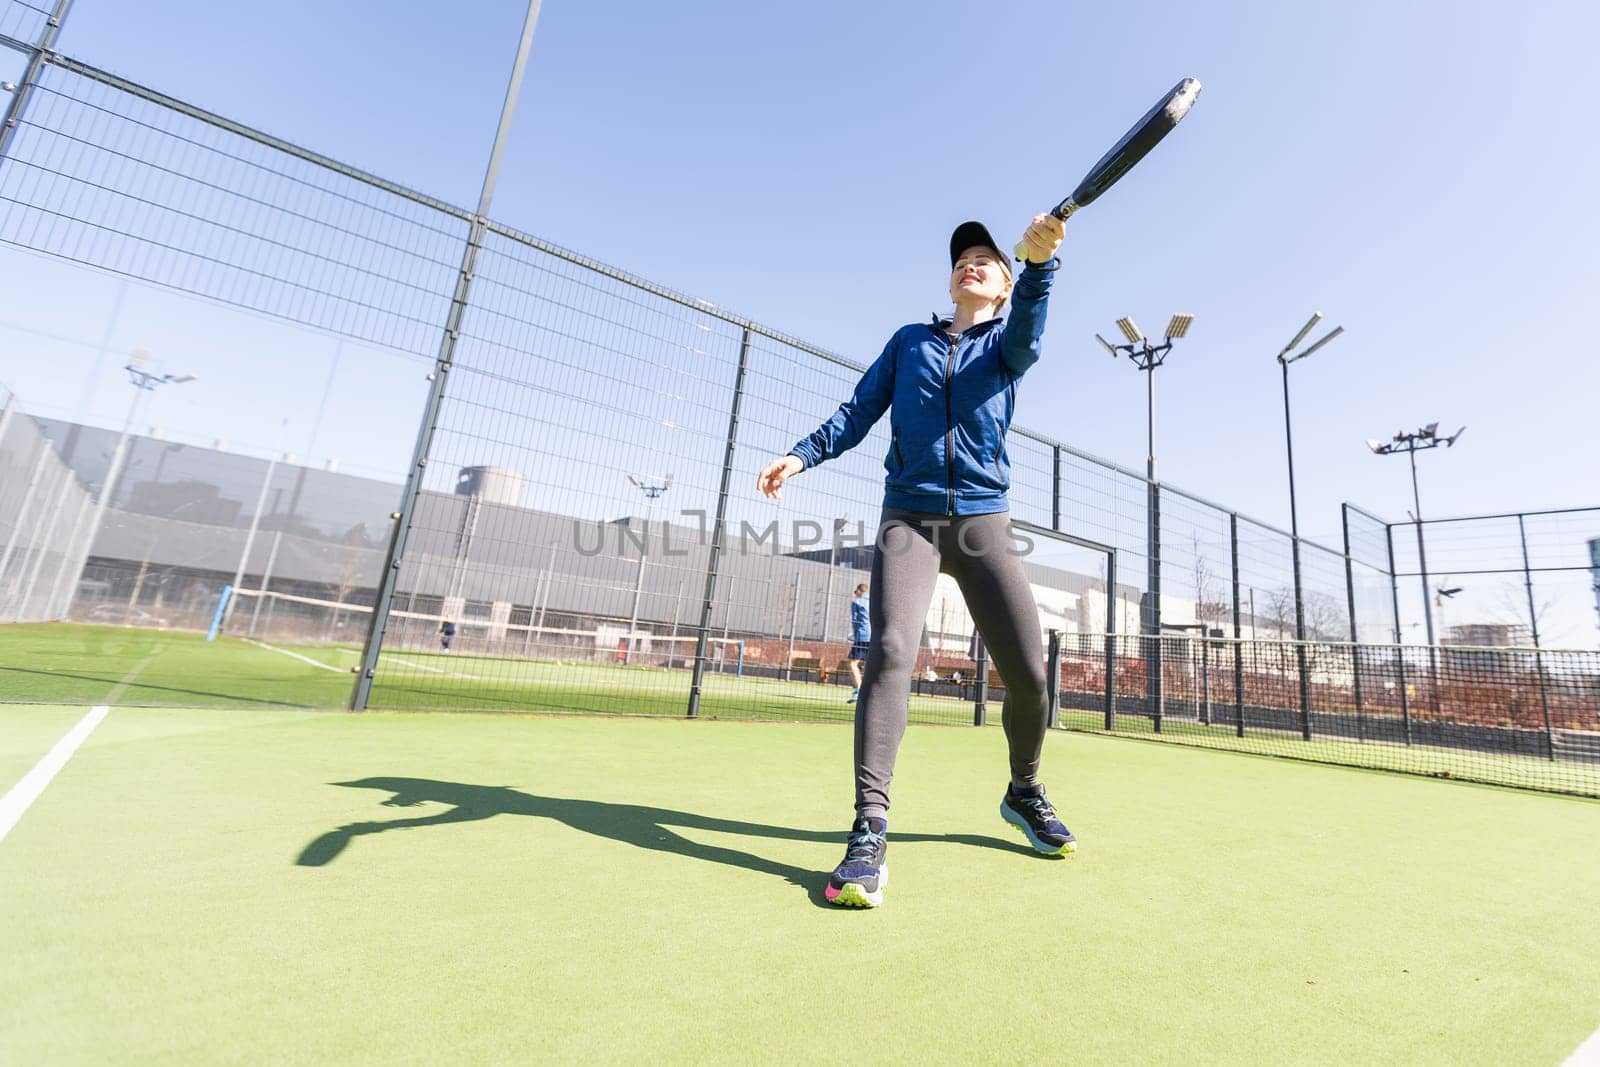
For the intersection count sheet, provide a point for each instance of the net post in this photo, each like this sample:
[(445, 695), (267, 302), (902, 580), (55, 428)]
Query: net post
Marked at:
[(1538, 656), (714, 557), (1052, 716), (1055, 488), (980, 688), (1152, 610), (1350, 599), (1238, 627), (1399, 650), (1111, 640)]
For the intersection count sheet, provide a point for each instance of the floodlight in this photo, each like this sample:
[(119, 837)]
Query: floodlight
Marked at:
[(1375, 444), (1431, 430), (1109, 347), (1130, 330), (1452, 591), (1335, 332), (1453, 438), (634, 478), (1179, 326), (1316, 317), (179, 379)]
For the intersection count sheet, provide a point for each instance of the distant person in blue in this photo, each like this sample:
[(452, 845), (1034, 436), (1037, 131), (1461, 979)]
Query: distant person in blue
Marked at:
[(447, 633), (860, 637)]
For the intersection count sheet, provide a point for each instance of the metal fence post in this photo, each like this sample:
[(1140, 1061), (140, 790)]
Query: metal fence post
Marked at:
[(980, 688), (1238, 628), (1055, 489), (30, 75), (1152, 607), (1399, 650), (714, 557), (429, 424), (1355, 639), (1111, 640), (794, 625), (1052, 713), (1538, 656)]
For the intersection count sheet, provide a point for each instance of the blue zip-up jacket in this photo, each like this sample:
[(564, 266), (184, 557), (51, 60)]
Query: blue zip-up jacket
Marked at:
[(860, 620), (950, 406)]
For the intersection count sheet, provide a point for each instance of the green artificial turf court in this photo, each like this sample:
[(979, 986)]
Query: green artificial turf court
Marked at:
[(85, 665), (225, 885)]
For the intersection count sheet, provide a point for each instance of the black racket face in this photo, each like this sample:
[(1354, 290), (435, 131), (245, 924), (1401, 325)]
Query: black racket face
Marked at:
[(1137, 142)]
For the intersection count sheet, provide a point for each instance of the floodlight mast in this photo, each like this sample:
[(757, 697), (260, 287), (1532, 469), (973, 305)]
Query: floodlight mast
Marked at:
[(1411, 443), (1284, 359), (652, 488), (1147, 357)]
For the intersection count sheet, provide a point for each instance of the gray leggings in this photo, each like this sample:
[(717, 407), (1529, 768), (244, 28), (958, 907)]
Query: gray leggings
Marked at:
[(977, 551)]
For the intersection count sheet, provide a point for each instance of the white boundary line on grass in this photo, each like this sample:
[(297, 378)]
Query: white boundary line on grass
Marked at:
[(435, 670), (22, 795), (1586, 1054), (295, 655)]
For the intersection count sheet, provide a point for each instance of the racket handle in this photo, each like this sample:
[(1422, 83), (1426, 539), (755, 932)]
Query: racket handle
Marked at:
[(1061, 211)]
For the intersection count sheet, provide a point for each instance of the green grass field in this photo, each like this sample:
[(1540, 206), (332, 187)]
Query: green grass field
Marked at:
[(252, 886), (85, 665)]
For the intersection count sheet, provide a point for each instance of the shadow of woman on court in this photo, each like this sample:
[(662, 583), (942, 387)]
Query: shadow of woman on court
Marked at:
[(633, 824)]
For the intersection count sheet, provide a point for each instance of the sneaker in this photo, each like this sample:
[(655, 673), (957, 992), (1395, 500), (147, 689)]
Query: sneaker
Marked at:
[(858, 881), (1036, 819), (855, 694)]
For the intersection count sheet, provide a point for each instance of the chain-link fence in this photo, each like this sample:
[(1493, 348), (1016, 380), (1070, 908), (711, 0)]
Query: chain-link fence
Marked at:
[(574, 525), (44, 514)]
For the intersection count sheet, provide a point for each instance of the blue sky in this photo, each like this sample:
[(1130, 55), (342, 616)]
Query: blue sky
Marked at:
[(1421, 173), (1418, 172)]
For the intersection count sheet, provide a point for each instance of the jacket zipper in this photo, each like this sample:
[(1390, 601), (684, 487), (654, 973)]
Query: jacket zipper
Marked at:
[(949, 429)]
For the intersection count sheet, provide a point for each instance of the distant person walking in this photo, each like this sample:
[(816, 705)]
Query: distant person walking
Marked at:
[(860, 637), (447, 633)]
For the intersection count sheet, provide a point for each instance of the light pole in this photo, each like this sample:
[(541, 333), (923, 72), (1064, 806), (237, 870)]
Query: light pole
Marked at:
[(652, 490), (1411, 443), (833, 553), (143, 382), (1147, 357), (1284, 359), (1440, 595)]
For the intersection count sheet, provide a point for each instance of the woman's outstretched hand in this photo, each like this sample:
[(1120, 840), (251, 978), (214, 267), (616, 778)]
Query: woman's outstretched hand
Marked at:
[(769, 483), (1042, 238)]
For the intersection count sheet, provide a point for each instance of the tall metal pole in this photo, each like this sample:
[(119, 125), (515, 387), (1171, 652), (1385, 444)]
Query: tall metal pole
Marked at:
[(1111, 640), (1399, 648), (1422, 552), (250, 537), (1238, 627), (1355, 638), (1055, 489), (1151, 621), (1538, 656), (714, 557), (1299, 590), (446, 359), (30, 76)]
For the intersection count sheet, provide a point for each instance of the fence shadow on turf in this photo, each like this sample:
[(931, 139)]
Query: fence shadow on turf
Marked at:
[(632, 824)]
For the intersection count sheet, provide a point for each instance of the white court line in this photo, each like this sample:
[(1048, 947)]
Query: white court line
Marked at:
[(296, 655), (20, 796), (1586, 1054), (436, 670)]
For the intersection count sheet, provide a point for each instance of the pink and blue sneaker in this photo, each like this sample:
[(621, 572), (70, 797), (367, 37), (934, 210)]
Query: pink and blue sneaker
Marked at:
[(859, 880)]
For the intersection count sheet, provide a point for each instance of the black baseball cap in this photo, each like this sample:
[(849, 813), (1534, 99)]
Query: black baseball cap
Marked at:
[(969, 234)]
